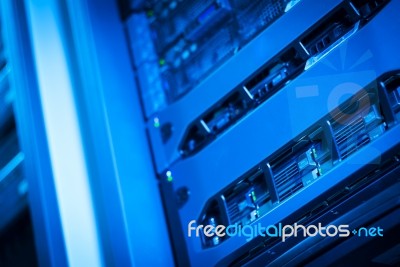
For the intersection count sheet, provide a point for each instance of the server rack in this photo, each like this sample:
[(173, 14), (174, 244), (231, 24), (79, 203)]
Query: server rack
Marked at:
[(222, 112), (281, 132)]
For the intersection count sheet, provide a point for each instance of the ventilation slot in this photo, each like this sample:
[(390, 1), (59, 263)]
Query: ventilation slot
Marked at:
[(351, 137), (357, 124), (288, 181)]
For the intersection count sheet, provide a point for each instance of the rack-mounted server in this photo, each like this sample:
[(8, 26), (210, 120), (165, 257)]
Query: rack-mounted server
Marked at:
[(300, 120)]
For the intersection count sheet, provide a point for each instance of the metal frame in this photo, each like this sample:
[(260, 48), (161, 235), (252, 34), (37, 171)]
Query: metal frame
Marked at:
[(93, 193)]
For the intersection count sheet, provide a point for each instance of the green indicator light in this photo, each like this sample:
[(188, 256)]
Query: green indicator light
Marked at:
[(161, 62), (156, 122), (169, 176), (253, 196)]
